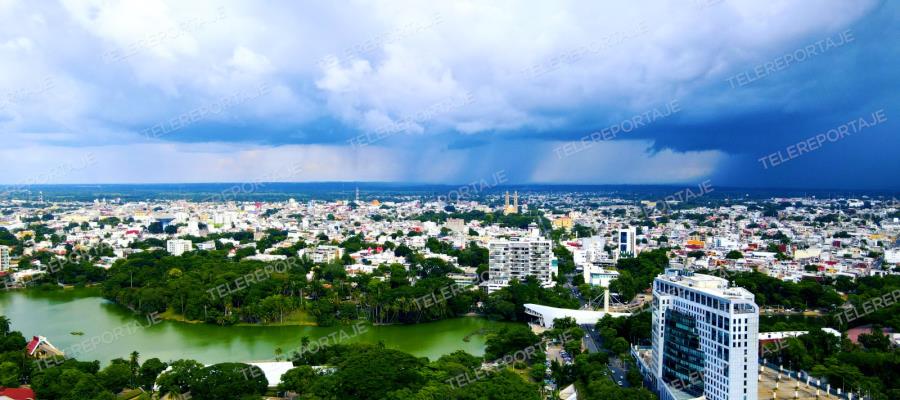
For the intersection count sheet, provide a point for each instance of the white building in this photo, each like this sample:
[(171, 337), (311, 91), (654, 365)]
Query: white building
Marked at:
[(627, 239), (892, 256), (177, 247), (592, 249), (4, 258), (705, 338), (519, 258), (598, 276), (457, 225), (322, 253)]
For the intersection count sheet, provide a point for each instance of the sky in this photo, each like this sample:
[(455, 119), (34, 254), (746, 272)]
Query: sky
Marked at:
[(793, 94)]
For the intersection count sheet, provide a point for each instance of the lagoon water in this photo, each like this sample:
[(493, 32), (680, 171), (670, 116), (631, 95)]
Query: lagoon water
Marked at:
[(118, 332)]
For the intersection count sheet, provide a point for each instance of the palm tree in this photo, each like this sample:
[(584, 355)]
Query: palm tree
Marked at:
[(135, 365), (4, 325), (278, 352)]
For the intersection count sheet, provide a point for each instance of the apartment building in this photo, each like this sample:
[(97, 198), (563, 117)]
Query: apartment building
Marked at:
[(4, 259), (518, 258), (177, 247)]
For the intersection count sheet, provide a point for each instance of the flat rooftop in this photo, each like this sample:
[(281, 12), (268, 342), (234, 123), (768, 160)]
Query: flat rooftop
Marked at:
[(712, 285)]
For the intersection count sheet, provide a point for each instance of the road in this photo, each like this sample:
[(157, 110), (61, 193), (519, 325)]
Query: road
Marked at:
[(594, 343)]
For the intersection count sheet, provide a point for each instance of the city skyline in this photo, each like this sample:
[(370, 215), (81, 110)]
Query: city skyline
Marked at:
[(733, 92)]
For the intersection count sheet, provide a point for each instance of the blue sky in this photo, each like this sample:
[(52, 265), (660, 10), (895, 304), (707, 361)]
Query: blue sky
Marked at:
[(226, 91)]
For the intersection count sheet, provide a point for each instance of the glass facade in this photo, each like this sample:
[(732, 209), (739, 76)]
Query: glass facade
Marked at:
[(682, 358)]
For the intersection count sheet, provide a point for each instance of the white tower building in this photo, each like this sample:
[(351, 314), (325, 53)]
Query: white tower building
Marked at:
[(705, 338), (627, 238)]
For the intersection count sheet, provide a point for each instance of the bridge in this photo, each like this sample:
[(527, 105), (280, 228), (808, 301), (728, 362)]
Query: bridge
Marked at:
[(546, 314)]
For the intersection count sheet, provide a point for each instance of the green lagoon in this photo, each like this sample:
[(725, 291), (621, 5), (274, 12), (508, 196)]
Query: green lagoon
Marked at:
[(72, 319)]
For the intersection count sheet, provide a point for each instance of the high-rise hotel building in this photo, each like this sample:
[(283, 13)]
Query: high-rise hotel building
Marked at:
[(705, 338)]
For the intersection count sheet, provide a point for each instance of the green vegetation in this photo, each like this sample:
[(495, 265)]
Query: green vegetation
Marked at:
[(637, 274), (867, 289), (512, 220), (566, 262), (70, 379), (373, 372), (632, 329), (590, 372), (734, 255), (872, 367), (210, 287), (771, 291), (593, 381), (508, 303)]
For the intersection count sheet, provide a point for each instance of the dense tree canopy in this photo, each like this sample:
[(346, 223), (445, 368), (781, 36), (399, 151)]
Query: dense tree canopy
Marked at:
[(373, 372)]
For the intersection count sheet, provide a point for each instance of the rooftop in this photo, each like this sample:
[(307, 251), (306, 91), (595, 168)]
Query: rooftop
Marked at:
[(712, 285)]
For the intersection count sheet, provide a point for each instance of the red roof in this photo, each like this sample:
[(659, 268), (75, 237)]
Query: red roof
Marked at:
[(17, 393), (853, 334), (33, 344)]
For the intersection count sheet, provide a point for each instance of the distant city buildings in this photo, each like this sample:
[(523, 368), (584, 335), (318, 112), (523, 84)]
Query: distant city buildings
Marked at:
[(705, 338), (177, 247)]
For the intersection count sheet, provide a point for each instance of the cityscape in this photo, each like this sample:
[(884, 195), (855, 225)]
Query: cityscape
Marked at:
[(220, 200)]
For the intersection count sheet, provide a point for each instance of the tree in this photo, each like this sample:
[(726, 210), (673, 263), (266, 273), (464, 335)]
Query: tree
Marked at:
[(67, 383), (299, 380), (228, 381), (155, 227), (876, 340), (619, 346), (508, 340), (134, 363), (116, 376), (374, 372), (149, 372), (178, 379), (734, 255), (278, 352), (503, 385), (9, 374)]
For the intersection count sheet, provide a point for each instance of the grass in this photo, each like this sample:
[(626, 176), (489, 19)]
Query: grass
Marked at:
[(171, 315), (133, 394), (294, 318)]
